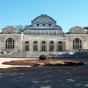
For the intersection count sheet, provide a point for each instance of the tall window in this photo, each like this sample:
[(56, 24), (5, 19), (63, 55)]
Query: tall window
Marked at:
[(51, 46), (26, 46), (60, 46), (10, 44), (35, 46), (43, 47), (77, 44)]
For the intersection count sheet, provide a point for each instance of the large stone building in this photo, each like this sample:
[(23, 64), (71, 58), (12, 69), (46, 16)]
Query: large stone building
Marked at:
[(43, 36)]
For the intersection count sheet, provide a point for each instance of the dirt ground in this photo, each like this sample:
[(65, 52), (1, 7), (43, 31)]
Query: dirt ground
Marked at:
[(45, 77), (10, 59)]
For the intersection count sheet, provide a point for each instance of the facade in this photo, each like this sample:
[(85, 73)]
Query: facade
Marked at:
[(43, 36)]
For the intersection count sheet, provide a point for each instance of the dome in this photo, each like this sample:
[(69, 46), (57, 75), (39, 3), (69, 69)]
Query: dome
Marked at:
[(86, 29), (9, 29), (43, 21), (44, 25), (43, 18), (77, 30)]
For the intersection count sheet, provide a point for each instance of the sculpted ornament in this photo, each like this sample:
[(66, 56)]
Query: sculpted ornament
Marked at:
[(70, 39), (85, 39)]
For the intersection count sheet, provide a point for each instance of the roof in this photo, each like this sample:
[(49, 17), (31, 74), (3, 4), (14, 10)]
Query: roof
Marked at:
[(43, 15), (77, 30), (9, 27)]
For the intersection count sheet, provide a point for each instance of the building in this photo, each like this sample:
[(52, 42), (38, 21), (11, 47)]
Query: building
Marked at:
[(43, 36)]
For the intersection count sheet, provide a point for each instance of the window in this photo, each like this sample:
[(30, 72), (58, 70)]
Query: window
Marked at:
[(26, 46), (43, 46), (10, 44), (35, 46), (51, 46), (37, 24), (77, 44), (49, 24), (60, 46), (43, 24)]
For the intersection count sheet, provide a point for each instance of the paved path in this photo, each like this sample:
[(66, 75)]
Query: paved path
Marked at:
[(9, 59)]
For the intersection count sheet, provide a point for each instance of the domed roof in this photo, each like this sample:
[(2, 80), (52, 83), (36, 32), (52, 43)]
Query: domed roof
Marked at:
[(43, 25), (86, 29), (43, 18), (9, 29), (77, 30)]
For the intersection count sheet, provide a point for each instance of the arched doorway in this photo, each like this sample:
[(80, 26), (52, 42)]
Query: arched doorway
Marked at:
[(35, 46), (26, 46), (10, 43), (51, 46), (43, 46), (77, 44), (60, 46)]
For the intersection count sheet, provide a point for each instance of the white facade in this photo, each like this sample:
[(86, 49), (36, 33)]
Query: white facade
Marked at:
[(43, 36)]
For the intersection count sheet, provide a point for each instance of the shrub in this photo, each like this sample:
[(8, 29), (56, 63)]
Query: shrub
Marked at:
[(43, 57)]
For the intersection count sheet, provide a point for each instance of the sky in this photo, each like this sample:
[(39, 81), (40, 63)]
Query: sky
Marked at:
[(67, 13)]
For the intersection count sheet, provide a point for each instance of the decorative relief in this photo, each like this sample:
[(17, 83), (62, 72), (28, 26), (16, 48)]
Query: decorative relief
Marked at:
[(70, 39), (85, 39), (2, 39)]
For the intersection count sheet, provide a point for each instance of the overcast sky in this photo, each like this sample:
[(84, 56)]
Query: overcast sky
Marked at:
[(67, 13)]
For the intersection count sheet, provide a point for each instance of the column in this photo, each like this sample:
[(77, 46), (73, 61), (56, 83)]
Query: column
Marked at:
[(39, 46), (55, 46), (21, 42), (47, 46), (31, 46), (68, 45)]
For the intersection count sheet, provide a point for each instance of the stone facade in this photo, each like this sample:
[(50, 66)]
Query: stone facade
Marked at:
[(43, 36)]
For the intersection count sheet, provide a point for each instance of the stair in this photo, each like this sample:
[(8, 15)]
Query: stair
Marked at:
[(26, 54)]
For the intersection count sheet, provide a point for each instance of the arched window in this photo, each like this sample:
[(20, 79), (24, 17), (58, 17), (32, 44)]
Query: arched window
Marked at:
[(10, 44), (26, 46), (35, 46), (60, 46), (51, 46), (43, 46), (77, 44)]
